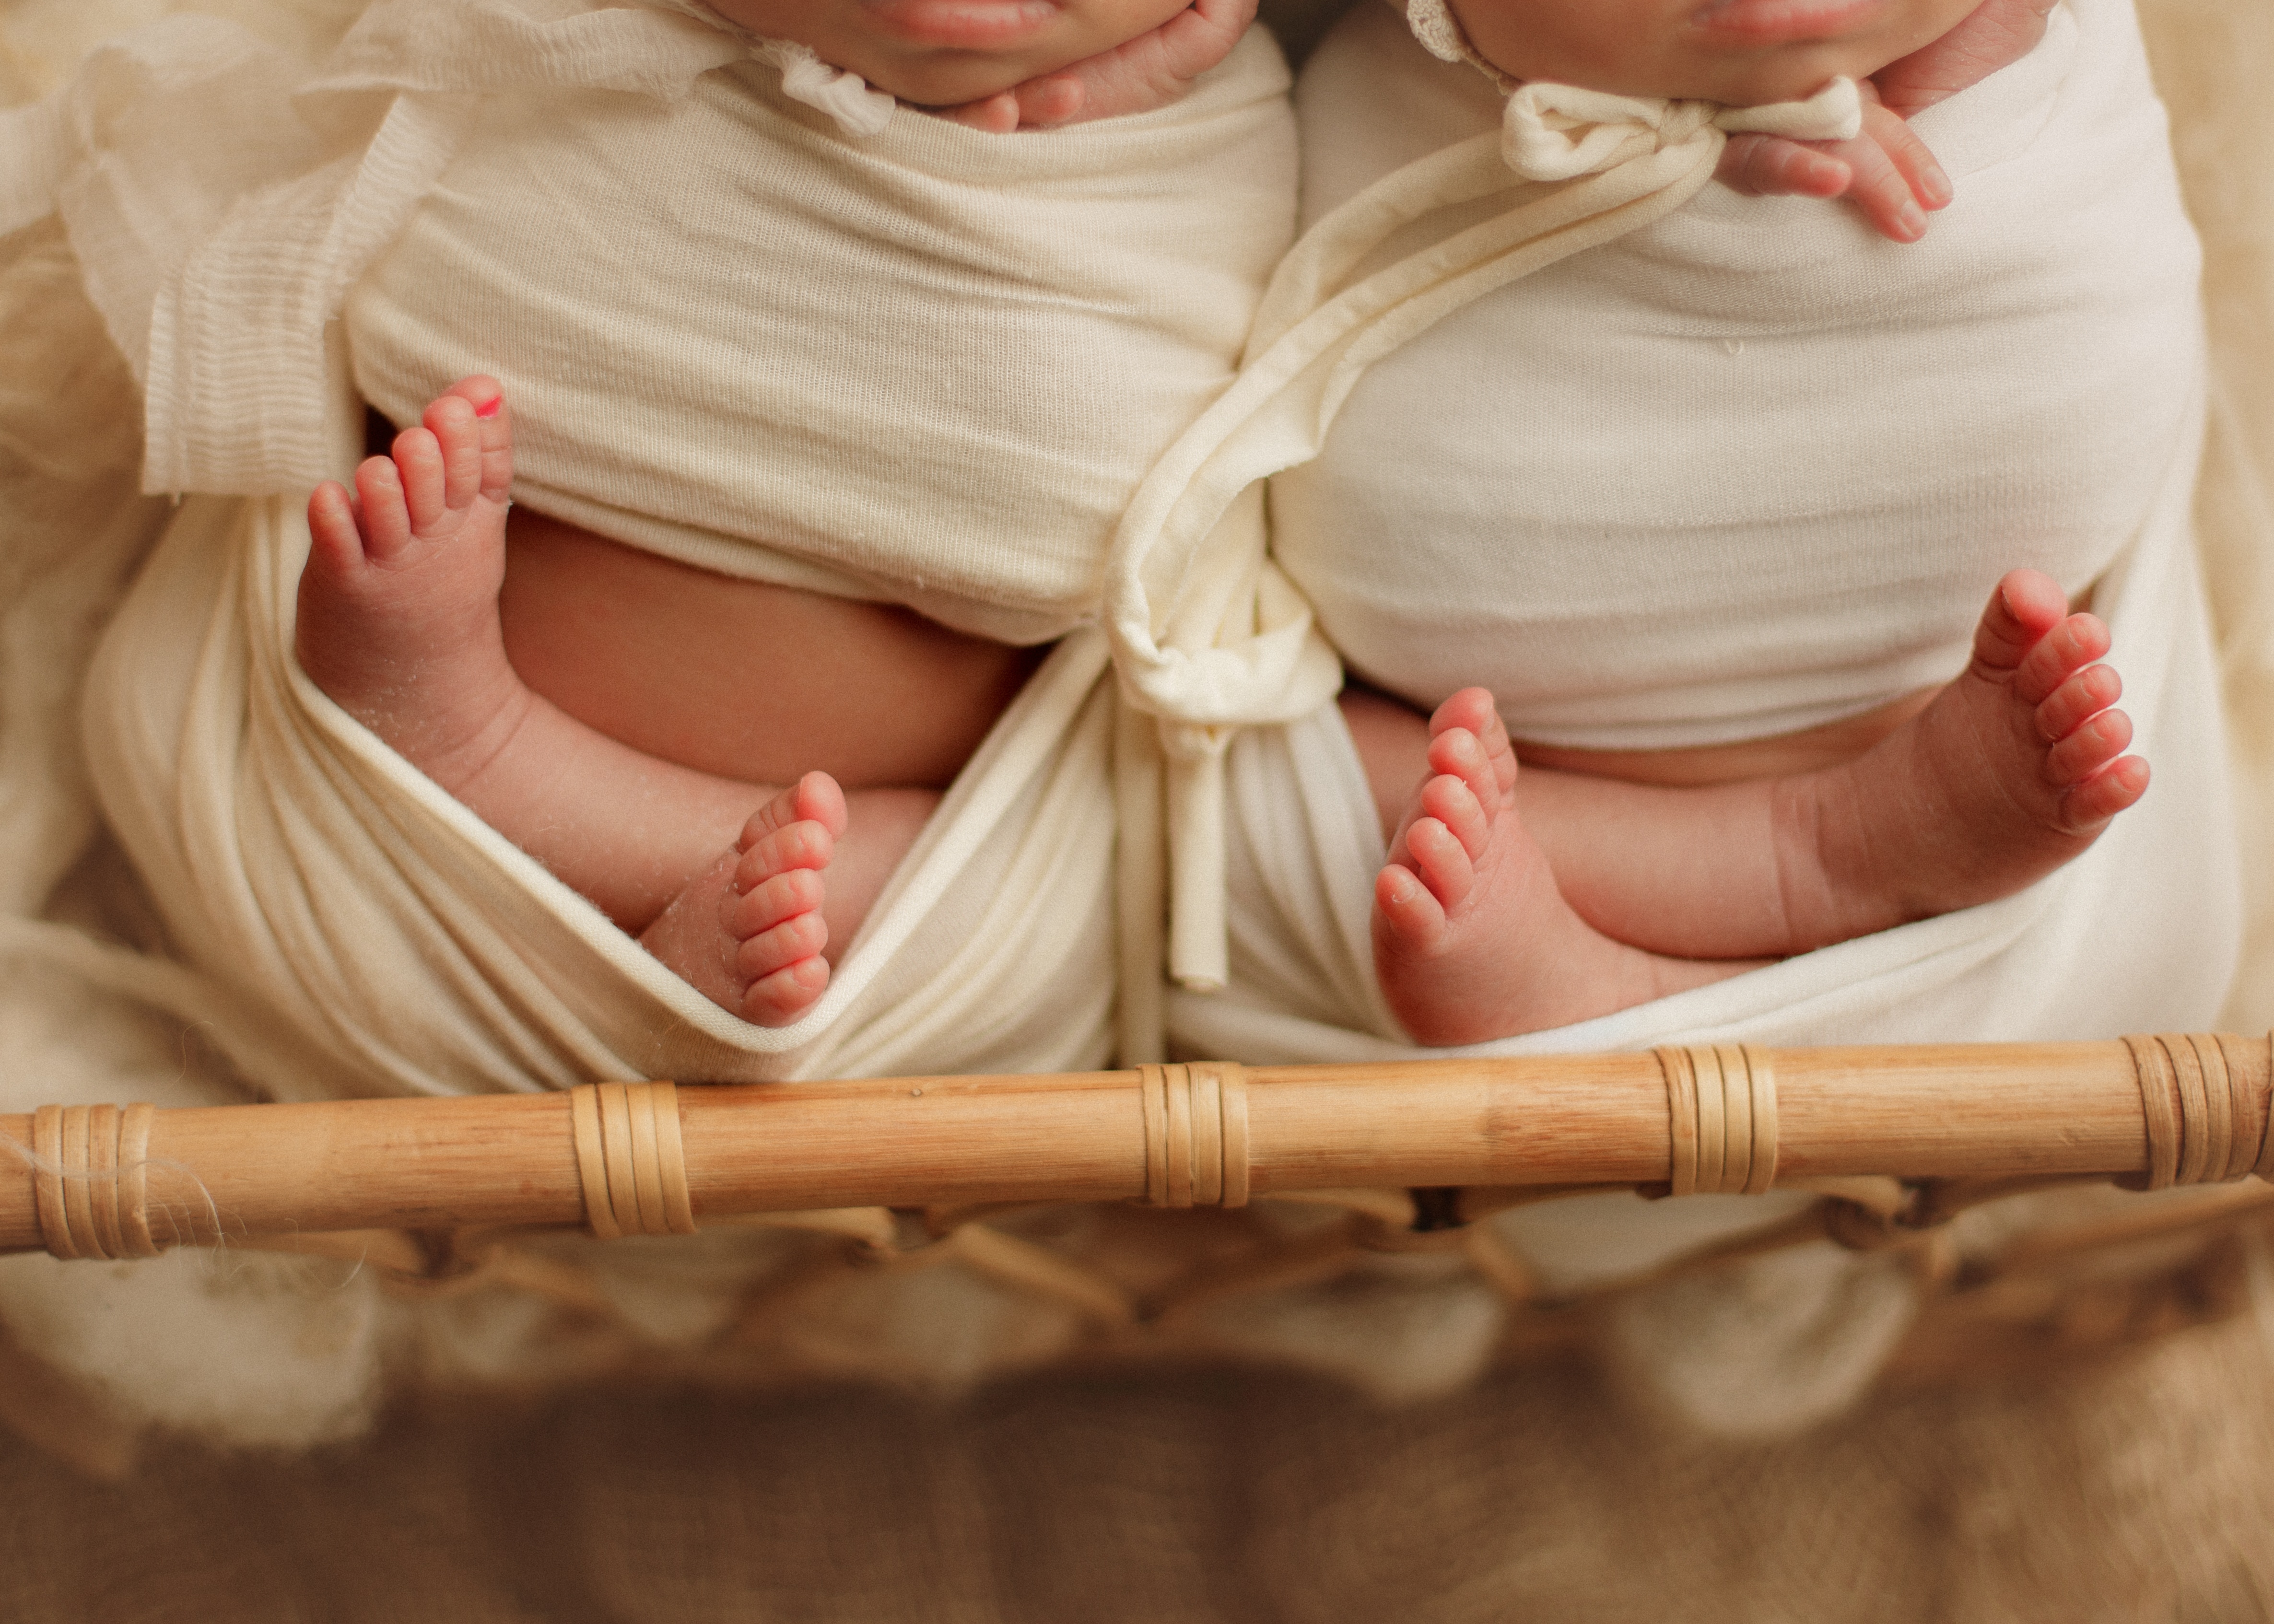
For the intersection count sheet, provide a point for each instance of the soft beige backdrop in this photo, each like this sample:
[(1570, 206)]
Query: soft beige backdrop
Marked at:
[(2140, 1488)]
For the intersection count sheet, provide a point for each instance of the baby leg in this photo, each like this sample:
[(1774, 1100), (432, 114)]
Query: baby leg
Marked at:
[(398, 615), (399, 625), (1471, 937), (2013, 770), (2009, 772)]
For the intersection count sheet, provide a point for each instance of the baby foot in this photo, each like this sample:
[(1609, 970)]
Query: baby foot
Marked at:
[(748, 934), (774, 912), (398, 603), (1471, 937), (2013, 770)]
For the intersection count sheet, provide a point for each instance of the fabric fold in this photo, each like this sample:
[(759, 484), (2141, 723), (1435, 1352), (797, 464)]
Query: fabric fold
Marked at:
[(416, 951)]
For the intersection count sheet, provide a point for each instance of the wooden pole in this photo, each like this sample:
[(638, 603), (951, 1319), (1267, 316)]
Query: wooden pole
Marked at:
[(1175, 1135)]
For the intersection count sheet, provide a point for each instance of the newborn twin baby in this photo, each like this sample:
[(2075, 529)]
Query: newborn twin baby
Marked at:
[(731, 769)]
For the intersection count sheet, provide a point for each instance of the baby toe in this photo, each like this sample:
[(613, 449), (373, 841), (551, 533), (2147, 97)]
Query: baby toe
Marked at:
[(1441, 861), (2091, 748), (2074, 644), (458, 433), (2078, 700), (789, 943), (385, 516), (1455, 803), (332, 523), (419, 460), (815, 798), (819, 800), (494, 420), (1404, 905), (777, 999), (1474, 748), (801, 844), (771, 901), (2100, 797), (2023, 607), (1471, 709)]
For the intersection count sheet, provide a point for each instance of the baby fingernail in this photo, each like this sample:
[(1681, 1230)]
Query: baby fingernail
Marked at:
[(1936, 185), (490, 411), (1913, 220)]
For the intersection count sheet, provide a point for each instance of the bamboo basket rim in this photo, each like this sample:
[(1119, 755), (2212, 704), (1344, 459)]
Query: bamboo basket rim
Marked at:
[(1946, 1125)]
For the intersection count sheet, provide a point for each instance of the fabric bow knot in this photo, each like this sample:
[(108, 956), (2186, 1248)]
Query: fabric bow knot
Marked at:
[(1553, 132), (1556, 132)]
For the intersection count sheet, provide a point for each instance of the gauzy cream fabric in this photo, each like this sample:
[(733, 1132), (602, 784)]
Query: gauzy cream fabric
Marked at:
[(767, 323), (411, 949)]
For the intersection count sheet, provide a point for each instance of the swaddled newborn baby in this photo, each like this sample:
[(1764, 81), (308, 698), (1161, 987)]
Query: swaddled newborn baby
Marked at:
[(825, 417), (1658, 599), (827, 413)]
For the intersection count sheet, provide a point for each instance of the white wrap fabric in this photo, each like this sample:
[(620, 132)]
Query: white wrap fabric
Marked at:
[(1752, 537), (409, 948)]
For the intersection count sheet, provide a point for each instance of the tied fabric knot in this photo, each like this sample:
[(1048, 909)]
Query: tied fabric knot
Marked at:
[(1441, 35), (845, 96), (859, 108), (1553, 132)]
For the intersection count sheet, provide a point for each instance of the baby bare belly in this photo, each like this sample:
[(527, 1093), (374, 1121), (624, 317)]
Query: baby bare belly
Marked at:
[(1779, 756), (1828, 745), (742, 679)]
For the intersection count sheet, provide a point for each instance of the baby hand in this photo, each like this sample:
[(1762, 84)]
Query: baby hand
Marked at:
[(1886, 171), (1149, 71)]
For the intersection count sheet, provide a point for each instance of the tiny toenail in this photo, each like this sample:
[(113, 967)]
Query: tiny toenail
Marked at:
[(490, 411)]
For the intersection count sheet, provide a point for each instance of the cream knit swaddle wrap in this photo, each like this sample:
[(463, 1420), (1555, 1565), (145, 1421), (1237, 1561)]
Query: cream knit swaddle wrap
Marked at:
[(1902, 468), (927, 365), (1748, 539), (1210, 639), (924, 364), (2079, 192)]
